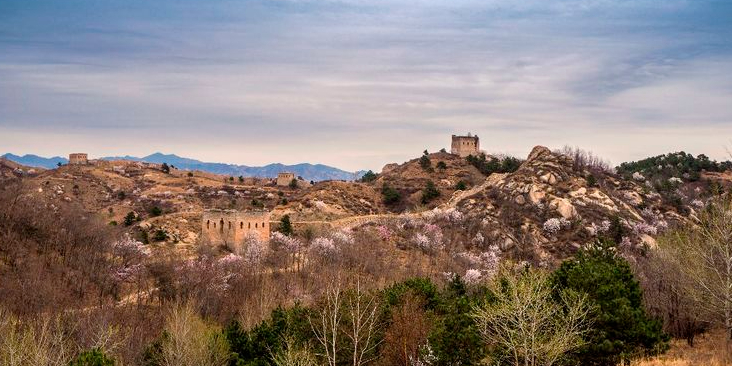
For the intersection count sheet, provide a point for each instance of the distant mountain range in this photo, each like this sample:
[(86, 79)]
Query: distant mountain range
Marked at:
[(315, 172)]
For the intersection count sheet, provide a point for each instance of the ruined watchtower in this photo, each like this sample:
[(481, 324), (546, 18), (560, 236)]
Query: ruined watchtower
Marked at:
[(232, 227), (78, 159), (284, 178), (465, 145)]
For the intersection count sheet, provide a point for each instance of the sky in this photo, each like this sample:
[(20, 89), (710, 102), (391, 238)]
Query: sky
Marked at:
[(361, 83)]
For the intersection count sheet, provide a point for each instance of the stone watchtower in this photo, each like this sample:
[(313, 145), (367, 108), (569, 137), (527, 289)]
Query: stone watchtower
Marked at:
[(78, 159), (232, 227), (465, 145), (284, 178)]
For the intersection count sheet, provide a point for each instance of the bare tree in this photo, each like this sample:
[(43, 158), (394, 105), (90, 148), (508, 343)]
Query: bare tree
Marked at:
[(364, 323), (292, 355), (327, 324), (703, 254), (43, 342), (583, 159), (528, 322), (189, 341)]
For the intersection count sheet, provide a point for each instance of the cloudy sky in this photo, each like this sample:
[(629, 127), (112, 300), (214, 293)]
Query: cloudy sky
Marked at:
[(360, 83)]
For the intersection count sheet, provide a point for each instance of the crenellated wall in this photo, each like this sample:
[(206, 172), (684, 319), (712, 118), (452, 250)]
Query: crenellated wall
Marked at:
[(231, 227)]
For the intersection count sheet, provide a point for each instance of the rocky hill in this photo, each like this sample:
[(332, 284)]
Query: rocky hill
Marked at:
[(548, 209), (444, 170)]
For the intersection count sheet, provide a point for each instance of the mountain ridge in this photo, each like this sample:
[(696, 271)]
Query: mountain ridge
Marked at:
[(308, 171)]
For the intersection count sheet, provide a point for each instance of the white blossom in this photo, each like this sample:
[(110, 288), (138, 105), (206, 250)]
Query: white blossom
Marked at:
[(324, 246), (472, 276)]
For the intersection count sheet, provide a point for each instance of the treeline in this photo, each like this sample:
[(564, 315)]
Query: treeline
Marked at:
[(680, 165), (489, 165)]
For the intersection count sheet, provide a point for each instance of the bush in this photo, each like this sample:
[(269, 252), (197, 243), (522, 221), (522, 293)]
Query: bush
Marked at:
[(430, 192), (293, 184), (286, 225), (390, 194), (487, 166), (460, 186), (165, 168), (160, 235), (369, 176), (441, 165), (190, 174), (425, 162), (93, 357), (129, 218), (622, 330), (155, 211)]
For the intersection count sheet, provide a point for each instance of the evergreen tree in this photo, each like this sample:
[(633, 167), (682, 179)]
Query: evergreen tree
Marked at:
[(622, 330), (93, 357), (390, 194), (286, 225), (429, 192), (369, 176)]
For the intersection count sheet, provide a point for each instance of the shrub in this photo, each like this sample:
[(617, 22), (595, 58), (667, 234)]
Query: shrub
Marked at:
[(155, 211), (160, 235), (190, 174), (425, 162), (460, 186), (93, 357), (441, 165), (430, 192), (129, 218), (507, 164), (389, 194), (369, 176), (286, 225), (622, 330), (293, 183), (165, 168)]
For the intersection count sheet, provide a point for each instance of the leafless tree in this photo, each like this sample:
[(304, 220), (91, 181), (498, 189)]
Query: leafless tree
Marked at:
[(583, 159), (43, 342), (703, 254), (364, 323), (526, 320), (190, 341), (326, 325), (293, 355)]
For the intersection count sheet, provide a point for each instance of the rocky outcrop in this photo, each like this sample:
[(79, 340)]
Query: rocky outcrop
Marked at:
[(548, 208)]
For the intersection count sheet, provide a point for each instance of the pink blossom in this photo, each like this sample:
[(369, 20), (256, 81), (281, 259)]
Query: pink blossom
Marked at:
[(384, 232)]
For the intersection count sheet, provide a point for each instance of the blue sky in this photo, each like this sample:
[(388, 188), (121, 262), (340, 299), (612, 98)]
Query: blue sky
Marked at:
[(358, 84)]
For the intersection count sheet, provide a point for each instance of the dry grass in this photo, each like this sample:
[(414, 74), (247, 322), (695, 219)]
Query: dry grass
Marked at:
[(708, 350)]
